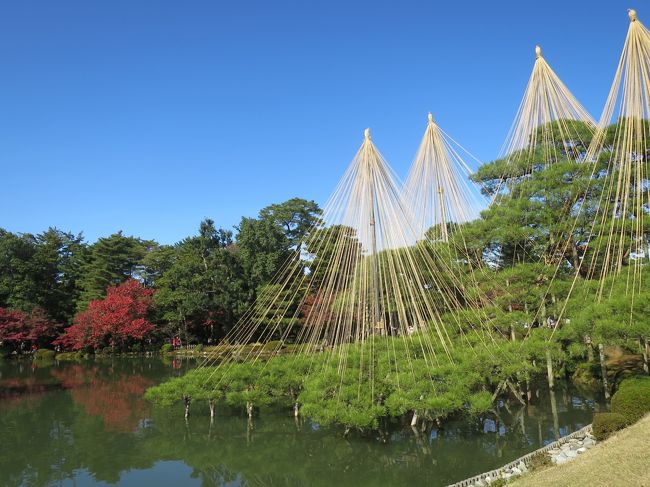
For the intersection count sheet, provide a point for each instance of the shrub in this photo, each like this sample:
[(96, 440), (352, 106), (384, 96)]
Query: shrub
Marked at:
[(107, 351), (69, 356), (605, 424), (540, 461), (166, 348), (44, 354), (199, 348), (632, 400), (272, 346)]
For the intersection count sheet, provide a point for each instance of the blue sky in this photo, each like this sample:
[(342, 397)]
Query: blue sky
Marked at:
[(147, 116)]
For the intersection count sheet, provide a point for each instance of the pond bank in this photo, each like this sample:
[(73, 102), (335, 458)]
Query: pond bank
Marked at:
[(51, 412), (560, 451), (621, 460)]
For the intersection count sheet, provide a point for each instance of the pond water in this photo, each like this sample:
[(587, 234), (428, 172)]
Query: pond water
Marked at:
[(79, 424)]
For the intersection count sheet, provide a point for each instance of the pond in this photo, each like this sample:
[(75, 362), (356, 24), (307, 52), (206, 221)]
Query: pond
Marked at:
[(86, 424)]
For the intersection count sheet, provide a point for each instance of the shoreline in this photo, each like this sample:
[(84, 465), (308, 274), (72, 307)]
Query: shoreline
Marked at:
[(520, 465)]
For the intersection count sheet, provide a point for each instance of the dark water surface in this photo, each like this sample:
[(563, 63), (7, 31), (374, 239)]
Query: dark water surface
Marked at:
[(80, 424)]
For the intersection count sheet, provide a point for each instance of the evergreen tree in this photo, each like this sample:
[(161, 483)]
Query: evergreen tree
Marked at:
[(109, 262), (296, 217), (57, 264), (201, 286), (263, 248)]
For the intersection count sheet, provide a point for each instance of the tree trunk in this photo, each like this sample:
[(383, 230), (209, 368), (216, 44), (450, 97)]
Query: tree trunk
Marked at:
[(517, 393), (249, 409), (498, 390), (590, 348), (549, 370), (296, 410), (187, 400), (211, 404), (643, 343), (556, 419), (603, 369), (414, 419), (574, 256)]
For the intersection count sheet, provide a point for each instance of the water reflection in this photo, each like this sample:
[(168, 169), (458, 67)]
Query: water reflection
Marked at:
[(85, 423)]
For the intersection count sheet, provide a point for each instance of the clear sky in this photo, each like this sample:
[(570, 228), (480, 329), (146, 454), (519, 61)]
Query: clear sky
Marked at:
[(147, 116)]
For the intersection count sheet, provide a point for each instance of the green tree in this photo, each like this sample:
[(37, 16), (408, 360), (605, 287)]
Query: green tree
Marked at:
[(109, 262), (57, 262), (201, 289), (41, 271), (263, 248), (543, 210), (296, 217), (18, 284)]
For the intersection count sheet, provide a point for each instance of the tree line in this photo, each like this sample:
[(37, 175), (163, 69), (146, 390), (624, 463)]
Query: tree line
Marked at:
[(523, 254), (58, 289)]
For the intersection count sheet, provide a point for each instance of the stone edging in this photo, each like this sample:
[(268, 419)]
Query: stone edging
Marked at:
[(486, 478)]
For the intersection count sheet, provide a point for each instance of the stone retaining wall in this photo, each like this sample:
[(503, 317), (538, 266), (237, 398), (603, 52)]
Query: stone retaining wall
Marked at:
[(520, 465)]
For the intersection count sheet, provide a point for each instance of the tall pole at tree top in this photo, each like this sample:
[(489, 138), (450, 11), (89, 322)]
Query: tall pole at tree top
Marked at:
[(444, 234), (376, 314)]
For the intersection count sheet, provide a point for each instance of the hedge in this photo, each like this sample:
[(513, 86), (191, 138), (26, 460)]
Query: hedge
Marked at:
[(604, 424), (632, 400)]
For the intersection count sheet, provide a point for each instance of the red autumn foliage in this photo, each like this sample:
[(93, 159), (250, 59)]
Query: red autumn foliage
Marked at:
[(316, 305), (117, 320), (28, 329), (117, 400)]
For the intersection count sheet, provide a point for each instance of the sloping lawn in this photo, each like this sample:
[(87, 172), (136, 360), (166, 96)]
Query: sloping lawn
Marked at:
[(621, 460)]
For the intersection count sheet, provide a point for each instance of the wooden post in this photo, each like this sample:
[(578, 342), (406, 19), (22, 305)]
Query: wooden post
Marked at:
[(603, 369), (643, 343), (549, 370)]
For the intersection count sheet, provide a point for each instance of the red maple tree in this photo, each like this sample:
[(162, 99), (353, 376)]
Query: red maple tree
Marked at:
[(19, 330), (117, 320)]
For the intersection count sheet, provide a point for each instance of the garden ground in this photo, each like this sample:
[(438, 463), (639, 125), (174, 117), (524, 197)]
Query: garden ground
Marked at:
[(621, 460)]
